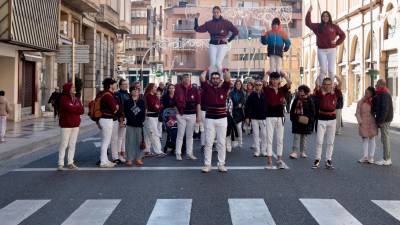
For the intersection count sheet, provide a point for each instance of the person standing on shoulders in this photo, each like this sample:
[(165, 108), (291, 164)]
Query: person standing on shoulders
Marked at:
[(383, 111), (216, 118), (70, 112), (367, 128)]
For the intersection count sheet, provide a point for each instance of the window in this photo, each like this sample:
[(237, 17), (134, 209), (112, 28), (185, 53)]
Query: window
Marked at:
[(140, 13), (139, 29)]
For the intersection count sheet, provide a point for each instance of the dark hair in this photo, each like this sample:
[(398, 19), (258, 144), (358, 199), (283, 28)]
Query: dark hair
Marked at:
[(276, 21), (121, 81), (326, 79), (304, 88), (321, 25), (132, 88), (274, 75), (238, 81), (372, 90), (160, 90), (215, 73), (2, 93), (149, 88), (107, 82), (217, 7)]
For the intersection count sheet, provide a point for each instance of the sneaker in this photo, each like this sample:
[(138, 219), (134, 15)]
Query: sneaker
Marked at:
[(191, 157), (161, 155), (72, 167), (128, 163), (371, 161), (293, 155), (60, 168), (316, 164), (178, 157), (280, 164), (206, 169), (117, 161), (229, 149), (264, 154), (122, 158), (107, 165), (328, 165), (303, 155), (256, 154), (222, 169), (363, 160), (384, 162)]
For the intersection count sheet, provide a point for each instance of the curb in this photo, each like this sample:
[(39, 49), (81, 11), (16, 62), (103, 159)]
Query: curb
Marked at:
[(40, 144)]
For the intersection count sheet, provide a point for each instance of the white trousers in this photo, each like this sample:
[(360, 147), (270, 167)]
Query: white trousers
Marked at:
[(327, 127), (203, 133), (240, 133), (152, 136), (215, 127), (275, 63), (106, 133), (68, 139), (369, 146), (217, 54), (186, 124), (259, 127), (117, 140), (327, 63), (3, 127), (159, 126), (274, 124)]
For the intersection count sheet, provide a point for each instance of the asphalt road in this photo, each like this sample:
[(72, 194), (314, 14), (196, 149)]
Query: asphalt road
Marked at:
[(165, 191)]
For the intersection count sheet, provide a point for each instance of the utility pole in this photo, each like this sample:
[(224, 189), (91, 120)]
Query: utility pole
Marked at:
[(372, 72)]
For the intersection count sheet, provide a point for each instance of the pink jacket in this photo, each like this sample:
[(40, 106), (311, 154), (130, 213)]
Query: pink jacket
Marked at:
[(367, 127)]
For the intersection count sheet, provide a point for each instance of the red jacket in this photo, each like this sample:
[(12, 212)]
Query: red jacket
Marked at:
[(186, 99), (108, 105), (215, 98), (71, 109), (218, 29), (275, 100), (153, 103), (327, 34)]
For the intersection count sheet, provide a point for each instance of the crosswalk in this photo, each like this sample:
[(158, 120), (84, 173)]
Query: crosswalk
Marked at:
[(178, 211)]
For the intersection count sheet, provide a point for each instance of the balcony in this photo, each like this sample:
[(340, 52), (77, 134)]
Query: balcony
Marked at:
[(184, 27), (82, 5), (109, 18), (124, 27), (181, 3)]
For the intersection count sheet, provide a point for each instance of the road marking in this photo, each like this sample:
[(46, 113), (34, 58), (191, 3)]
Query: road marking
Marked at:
[(19, 210), (91, 139), (97, 144), (92, 212), (329, 212), (171, 212), (391, 207), (149, 168), (250, 211)]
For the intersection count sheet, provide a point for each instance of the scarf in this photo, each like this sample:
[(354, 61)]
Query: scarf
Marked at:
[(382, 90), (299, 106)]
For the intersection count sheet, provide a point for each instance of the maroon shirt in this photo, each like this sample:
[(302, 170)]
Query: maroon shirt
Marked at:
[(327, 104), (108, 105), (327, 35), (215, 98), (275, 100), (153, 105), (218, 29), (186, 99), (71, 109)]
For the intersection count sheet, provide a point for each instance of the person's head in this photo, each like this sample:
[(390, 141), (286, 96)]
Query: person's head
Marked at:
[(134, 91), (370, 92), (216, 12), (161, 85), (381, 83), (250, 86), (57, 89), (215, 78), (238, 85), (185, 79), (2, 93), (258, 86), (159, 92), (151, 89), (303, 91), (109, 84), (327, 84), (171, 89), (276, 22), (123, 84), (275, 79), (68, 89), (326, 17)]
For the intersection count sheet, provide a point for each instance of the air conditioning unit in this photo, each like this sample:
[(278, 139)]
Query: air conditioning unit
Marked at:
[(64, 27)]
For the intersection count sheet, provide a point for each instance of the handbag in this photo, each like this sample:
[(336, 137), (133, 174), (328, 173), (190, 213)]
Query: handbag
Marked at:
[(142, 143), (303, 120)]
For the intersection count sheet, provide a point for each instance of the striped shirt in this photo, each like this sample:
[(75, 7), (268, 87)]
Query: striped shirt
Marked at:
[(215, 99)]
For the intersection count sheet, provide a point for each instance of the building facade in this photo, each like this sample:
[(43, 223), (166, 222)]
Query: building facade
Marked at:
[(354, 55)]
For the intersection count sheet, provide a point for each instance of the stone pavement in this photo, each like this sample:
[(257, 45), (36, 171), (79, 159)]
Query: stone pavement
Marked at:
[(30, 135)]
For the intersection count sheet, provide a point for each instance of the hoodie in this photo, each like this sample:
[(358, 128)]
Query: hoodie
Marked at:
[(4, 106), (71, 108), (218, 29), (277, 41)]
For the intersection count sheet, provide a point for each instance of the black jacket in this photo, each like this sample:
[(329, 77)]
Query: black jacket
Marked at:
[(382, 106), (256, 107), (340, 103), (237, 98), (309, 111), (135, 112)]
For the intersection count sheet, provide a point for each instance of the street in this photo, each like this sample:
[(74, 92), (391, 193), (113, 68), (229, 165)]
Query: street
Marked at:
[(165, 191)]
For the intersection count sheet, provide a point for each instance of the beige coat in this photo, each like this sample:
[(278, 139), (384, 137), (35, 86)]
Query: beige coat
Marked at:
[(4, 106), (367, 126)]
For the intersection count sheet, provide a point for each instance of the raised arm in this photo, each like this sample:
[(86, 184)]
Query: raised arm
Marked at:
[(197, 28), (227, 76), (203, 76), (339, 83), (286, 77), (309, 23)]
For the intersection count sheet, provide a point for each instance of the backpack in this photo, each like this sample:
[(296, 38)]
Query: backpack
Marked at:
[(95, 107)]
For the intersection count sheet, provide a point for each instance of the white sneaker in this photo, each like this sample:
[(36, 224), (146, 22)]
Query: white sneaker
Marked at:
[(178, 157), (363, 160), (371, 161), (256, 154), (107, 165), (384, 162), (122, 159), (191, 157), (206, 169), (222, 169)]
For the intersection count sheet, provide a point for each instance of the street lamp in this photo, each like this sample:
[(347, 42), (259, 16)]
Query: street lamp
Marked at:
[(172, 65), (372, 72)]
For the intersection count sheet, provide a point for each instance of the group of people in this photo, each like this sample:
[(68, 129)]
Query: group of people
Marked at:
[(222, 110)]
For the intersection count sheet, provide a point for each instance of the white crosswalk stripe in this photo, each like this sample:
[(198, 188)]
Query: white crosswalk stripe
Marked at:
[(171, 212), (329, 212), (391, 207), (250, 211), (19, 210), (92, 212)]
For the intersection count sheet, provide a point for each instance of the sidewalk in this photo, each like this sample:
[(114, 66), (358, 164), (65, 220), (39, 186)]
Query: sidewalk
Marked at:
[(28, 136)]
